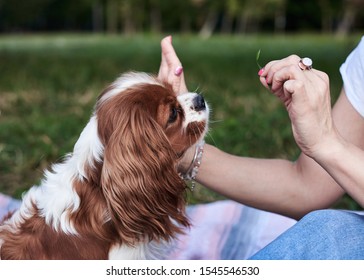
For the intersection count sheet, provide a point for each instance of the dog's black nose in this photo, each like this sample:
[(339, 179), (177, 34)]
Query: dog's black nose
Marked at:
[(199, 103)]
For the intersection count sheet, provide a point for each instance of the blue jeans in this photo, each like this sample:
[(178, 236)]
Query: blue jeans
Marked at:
[(320, 235)]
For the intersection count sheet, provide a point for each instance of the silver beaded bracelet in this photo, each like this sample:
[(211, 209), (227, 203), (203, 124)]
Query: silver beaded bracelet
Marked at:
[(192, 171)]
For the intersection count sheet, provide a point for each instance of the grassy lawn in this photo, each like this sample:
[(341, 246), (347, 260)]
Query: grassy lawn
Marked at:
[(49, 83)]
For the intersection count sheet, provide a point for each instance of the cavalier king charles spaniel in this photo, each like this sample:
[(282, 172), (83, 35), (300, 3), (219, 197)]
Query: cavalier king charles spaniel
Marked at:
[(118, 195)]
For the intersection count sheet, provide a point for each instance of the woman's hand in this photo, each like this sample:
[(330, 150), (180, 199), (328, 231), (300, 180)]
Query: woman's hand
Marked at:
[(306, 96), (171, 70)]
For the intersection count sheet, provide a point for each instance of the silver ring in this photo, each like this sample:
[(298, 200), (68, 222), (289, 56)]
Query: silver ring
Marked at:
[(305, 63)]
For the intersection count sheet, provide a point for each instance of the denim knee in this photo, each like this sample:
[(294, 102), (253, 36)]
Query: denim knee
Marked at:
[(325, 214), (329, 218), (321, 234)]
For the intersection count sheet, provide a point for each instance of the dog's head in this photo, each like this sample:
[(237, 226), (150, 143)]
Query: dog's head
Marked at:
[(143, 129)]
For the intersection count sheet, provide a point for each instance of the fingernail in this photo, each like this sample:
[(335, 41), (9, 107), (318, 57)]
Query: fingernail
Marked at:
[(178, 71), (261, 72)]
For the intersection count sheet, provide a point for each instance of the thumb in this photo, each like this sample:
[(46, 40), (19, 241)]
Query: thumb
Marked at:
[(294, 89), (169, 57), (169, 65)]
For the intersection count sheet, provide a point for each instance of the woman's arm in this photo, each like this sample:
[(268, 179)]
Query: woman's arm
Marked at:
[(281, 186), (342, 155)]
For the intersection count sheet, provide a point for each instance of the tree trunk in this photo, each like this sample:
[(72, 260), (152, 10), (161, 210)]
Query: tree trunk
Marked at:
[(155, 20), (227, 24), (129, 26), (347, 21), (185, 23), (280, 21), (97, 16), (111, 16), (242, 23), (209, 25), (326, 16)]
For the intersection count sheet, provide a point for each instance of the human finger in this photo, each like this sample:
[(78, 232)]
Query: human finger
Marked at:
[(170, 61), (314, 86), (278, 78), (275, 65), (171, 70), (164, 68)]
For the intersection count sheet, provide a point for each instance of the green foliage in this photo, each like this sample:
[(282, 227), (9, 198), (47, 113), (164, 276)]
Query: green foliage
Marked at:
[(49, 85), (230, 16)]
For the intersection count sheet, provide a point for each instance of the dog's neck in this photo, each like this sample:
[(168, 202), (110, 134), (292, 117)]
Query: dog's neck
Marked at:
[(56, 195), (88, 149)]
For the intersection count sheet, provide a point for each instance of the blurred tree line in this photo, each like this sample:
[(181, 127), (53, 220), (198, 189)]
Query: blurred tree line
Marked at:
[(198, 16)]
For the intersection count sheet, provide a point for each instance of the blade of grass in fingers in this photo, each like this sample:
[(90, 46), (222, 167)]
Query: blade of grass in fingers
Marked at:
[(257, 59)]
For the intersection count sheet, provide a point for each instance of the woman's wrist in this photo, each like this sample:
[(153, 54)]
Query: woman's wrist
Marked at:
[(186, 160), (190, 164), (329, 150)]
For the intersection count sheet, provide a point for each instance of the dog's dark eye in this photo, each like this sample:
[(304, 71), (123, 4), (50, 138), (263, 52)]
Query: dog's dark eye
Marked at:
[(173, 115)]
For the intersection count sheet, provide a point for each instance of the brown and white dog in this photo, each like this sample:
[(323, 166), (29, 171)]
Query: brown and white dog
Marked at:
[(118, 195)]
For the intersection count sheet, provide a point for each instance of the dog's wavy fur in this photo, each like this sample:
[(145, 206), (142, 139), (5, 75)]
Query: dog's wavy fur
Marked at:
[(118, 195)]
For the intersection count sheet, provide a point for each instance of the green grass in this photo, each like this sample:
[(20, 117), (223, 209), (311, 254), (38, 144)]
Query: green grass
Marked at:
[(49, 83)]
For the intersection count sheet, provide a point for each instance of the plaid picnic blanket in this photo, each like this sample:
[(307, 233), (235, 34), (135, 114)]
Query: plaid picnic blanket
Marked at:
[(227, 230), (220, 230), (7, 204)]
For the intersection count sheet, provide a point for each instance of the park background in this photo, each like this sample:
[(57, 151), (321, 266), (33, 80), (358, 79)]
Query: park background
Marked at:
[(56, 56)]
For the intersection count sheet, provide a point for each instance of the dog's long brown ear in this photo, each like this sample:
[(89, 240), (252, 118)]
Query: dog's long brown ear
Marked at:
[(139, 179)]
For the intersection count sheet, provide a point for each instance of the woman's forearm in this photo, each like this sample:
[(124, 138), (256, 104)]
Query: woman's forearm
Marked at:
[(270, 184), (291, 188)]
